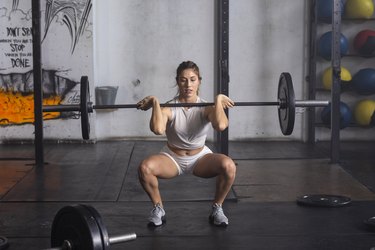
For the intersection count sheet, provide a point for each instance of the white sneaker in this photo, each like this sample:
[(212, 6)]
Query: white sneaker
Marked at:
[(217, 216), (157, 216)]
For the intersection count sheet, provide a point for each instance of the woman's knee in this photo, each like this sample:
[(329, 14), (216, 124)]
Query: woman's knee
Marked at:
[(145, 168), (229, 167)]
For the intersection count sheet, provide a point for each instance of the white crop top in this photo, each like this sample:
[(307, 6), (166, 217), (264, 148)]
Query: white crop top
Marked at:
[(188, 127)]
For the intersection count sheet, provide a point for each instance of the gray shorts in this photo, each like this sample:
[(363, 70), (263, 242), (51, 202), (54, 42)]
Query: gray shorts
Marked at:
[(185, 164)]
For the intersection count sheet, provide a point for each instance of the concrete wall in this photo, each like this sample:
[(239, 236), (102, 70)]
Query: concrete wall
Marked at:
[(138, 46), (266, 38)]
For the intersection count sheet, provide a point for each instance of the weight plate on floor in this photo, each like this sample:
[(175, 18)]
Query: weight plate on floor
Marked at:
[(84, 102), (287, 108), (101, 226), (323, 200), (76, 225), (370, 223), (4, 244)]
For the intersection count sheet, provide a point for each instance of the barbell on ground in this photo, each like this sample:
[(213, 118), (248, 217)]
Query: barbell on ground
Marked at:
[(286, 104), (81, 227)]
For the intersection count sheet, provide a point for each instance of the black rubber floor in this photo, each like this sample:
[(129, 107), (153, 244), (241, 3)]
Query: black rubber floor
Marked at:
[(104, 175)]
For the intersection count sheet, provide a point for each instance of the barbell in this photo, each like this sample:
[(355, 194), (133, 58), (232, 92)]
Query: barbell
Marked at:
[(81, 227), (286, 104)]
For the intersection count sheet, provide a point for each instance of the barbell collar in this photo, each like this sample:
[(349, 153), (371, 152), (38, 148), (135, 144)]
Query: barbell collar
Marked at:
[(122, 238), (311, 103)]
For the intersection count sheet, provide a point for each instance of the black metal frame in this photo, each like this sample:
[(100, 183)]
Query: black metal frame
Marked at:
[(312, 70), (222, 65), (336, 86), (336, 82), (38, 84)]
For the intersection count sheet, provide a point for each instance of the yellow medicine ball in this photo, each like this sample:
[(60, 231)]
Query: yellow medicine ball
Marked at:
[(359, 8), (327, 77), (363, 111)]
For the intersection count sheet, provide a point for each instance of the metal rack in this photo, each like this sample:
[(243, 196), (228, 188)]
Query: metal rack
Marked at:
[(222, 65), (336, 80)]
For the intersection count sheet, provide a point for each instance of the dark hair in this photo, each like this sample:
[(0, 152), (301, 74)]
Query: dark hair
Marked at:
[(188, 65)]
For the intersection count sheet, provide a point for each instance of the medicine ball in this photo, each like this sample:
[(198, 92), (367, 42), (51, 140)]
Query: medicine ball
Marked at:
[(364, 42), (359, 8), (325, 45), (346, 77), (364, 81), (364, 112), (324, 8), (345, 115)]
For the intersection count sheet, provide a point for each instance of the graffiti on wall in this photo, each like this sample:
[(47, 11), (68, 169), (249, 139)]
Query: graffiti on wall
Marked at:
[(74, 14), (16, 77), (17, 100)]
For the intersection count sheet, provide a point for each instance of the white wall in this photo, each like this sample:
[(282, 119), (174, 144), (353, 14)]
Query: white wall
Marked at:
[(267, 37), (138, 46)]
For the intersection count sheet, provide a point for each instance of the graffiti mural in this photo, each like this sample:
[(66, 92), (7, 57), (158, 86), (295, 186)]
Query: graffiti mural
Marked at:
[(74, 15), (17, 99), (64, 23)]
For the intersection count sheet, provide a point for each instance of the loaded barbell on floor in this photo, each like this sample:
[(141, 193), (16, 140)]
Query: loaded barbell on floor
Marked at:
[(286, 104), (81, 227)]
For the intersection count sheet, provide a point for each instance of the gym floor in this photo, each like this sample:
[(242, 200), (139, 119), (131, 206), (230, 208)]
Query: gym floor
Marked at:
[(262, 206)]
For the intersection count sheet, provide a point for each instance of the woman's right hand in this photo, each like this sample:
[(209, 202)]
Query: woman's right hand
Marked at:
[(147, 102)]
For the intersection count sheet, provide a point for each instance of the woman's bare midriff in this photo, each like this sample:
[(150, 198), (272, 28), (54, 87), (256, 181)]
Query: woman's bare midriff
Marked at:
[(185, 152)]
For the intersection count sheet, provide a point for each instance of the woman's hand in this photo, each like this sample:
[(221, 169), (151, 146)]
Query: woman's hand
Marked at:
[(147, 102), (224, 100)]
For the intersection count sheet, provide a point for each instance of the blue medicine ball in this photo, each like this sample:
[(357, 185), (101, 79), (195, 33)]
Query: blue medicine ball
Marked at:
[(324, 8), (345, 115), (364, 81), (325, 45)]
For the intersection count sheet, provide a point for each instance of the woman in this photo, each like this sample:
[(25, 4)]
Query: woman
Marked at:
[(185, 152)]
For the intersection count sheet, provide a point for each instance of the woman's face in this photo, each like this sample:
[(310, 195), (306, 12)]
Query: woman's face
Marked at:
[(188, 83)]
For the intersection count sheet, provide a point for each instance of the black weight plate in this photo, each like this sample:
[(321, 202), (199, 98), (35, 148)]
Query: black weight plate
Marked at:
[(101, 226), (84, 100), (323, 200), (77, 225), (370, 223), (4, 244), (287, 109)]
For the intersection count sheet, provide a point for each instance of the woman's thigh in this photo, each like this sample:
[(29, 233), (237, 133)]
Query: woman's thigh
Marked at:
[(211, 165), (160, 165)]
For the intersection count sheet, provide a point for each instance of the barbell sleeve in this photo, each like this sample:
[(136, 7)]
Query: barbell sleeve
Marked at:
[(311, 103), (112, 240), (122, 238)]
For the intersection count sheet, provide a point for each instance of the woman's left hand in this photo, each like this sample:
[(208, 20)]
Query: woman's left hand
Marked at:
[(224, 100)]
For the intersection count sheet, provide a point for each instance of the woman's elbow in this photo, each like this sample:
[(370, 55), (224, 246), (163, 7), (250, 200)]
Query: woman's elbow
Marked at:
[(158, 131), (221, 126)]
